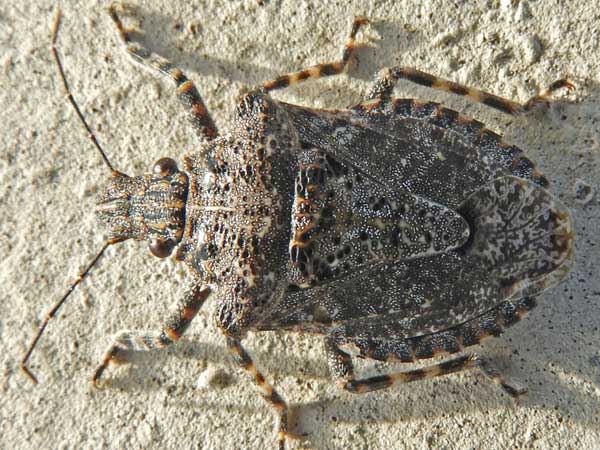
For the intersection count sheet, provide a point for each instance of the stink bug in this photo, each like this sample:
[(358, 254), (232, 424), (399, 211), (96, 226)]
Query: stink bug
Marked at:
[(395, 229)]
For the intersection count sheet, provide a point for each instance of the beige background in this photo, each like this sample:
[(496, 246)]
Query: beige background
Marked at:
[(50, 173)]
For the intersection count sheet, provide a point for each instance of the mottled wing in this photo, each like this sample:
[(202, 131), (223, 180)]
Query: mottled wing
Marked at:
[(521, 243), (521, 234), (422, 148)]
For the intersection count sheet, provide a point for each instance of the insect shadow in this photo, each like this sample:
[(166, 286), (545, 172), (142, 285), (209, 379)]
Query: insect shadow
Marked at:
[(543, 372), (384, 38)]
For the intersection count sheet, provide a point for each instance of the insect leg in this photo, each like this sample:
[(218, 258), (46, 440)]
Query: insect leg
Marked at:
[(347, 381), (267, 391), (320, 70), (342, 372), (387, 78), (186, 91), (172, 330)]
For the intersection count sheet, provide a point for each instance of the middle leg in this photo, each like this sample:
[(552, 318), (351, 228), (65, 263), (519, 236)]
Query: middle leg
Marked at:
[(320, 70), (265, 389)]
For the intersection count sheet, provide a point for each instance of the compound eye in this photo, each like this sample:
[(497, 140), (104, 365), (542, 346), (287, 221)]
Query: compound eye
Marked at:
[(165, 167), (161, 248)]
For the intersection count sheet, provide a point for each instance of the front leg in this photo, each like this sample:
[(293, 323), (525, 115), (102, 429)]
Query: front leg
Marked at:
[(144, 341), (187, 93), (267, 391)]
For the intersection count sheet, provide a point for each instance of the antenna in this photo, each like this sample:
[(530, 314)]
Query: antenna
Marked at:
[(70, 95), (54, 310), (114, 172)]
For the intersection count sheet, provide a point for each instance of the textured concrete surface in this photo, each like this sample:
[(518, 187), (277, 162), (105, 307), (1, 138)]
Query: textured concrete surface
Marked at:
[(191, 396)]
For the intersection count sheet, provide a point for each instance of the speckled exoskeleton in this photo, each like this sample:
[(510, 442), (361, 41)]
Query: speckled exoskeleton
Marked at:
[(395, 229)]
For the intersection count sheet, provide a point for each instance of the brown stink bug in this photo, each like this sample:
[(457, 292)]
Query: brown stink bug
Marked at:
[(396, 229)]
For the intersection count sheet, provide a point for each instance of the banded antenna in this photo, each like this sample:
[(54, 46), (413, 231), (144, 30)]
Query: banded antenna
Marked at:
[(114, 172)]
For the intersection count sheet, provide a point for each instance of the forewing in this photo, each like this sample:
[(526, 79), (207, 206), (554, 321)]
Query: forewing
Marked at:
[(424, 149), (521, 243), (392, 299)]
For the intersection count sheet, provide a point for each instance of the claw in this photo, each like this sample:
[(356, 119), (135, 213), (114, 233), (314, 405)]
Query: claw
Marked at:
[(514, 388), (542, 96), (292, 435), (563, 83), (29, 374), (360, 20), (97, 376)]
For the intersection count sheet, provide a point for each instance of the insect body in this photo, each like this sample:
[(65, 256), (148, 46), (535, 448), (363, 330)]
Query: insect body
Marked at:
[(395, 229)]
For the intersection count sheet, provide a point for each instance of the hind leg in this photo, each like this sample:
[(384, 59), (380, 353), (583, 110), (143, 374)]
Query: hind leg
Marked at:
[(451, 341), (387, 79), (342, 371)]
